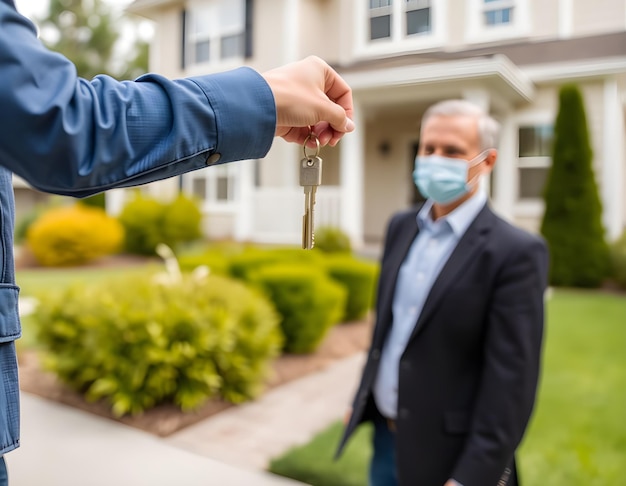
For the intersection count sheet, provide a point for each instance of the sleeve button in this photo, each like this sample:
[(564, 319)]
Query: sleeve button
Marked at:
[(213, 159)]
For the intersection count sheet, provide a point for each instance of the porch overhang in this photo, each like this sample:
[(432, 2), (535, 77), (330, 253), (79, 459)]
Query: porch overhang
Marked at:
[(147, 8), (440, 79)]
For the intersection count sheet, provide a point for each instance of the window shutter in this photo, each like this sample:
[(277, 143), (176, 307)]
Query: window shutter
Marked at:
[(248, 32)]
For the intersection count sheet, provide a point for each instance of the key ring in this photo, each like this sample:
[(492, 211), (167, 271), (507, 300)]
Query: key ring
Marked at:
[(309, 158)]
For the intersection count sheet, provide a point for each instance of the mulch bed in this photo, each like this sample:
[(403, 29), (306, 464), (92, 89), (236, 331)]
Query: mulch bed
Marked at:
[(342, 341)]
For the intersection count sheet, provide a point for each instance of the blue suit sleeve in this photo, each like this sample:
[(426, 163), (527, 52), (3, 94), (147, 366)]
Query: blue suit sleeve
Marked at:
[(70, 136)]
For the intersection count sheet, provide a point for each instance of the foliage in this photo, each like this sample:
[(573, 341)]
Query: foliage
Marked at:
[(97, 201), (573, 436), (181, 221), (149, 222), (215, 262), (245, 264), (87, 32), (73, 235), (25, 222), (618, 260), (572, 223), (359, 278), (332, 240), (308, 301), (183, 343)]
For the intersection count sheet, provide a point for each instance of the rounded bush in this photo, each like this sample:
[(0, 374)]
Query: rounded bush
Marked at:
[(73, 235), (181, 343), (618, 260), (308, 301), (149, 222), (359, 278), (332, 240)]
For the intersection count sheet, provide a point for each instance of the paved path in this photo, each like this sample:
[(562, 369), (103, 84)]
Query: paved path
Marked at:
[(63, 446), (250, 435)]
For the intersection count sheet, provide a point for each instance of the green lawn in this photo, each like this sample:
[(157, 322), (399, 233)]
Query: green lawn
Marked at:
[(577, 436)]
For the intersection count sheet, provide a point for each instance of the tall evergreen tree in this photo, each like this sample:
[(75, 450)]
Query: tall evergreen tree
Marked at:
[(572, 223), (86, 32)]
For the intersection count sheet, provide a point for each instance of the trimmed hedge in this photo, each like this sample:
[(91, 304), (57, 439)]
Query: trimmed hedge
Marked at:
[(332, 240), (73, 235), (137, 344), (148, 222), (245, 264), (308, 301), (359, 279)]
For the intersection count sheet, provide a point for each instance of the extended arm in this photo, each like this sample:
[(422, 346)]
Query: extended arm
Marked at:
[(71, 136)]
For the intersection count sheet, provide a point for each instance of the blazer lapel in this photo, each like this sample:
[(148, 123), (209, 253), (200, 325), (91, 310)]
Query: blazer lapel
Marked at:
[(467, 248)]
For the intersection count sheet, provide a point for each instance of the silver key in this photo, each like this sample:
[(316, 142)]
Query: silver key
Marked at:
[(310, 178)]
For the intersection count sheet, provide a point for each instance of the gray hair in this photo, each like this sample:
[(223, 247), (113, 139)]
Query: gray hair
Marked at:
[(488, 128)]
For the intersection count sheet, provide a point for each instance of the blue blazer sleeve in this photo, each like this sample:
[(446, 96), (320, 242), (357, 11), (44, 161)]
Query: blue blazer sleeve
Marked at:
[(70, 136)]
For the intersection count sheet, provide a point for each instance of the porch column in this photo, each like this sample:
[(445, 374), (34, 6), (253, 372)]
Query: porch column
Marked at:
[(612, 176), (351, 180), (114, 201), (243, 216), (505, 174)]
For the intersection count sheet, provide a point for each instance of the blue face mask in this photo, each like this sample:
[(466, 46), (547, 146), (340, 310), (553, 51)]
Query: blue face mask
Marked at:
[(443, 179)]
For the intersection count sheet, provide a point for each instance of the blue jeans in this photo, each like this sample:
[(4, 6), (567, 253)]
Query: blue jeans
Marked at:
[(4, 477), (383, 465)]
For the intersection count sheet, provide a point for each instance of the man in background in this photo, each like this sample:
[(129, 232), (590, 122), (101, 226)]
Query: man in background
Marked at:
[(451, 375)]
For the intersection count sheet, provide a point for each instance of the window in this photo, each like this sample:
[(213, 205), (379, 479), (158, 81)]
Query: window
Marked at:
[(415, 18), (214, 185), (380, 19), (498, 12), (493, 20), (216, 31), (535, 147)]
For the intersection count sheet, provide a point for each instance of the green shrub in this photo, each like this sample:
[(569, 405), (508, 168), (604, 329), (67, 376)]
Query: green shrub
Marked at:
[(359, 278), (137, 343), (149, 222), (572, 223), (182, 219), (96, 201), (24, 223), (308, 301), (618, 260), (216, 262), (73, 235), (332, 240), (245, 264)]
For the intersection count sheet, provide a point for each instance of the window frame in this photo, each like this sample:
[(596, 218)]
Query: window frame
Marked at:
[(399, 41), (212, 177), (530, 206), (477, 30), (213, 32)]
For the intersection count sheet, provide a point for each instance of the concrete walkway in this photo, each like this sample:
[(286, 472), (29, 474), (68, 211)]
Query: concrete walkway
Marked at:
[(63, 446)]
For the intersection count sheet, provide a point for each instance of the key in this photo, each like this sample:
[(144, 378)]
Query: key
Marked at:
[(310, 178)]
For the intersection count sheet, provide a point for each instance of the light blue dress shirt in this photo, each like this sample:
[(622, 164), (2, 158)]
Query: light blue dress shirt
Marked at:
[(429, 252)]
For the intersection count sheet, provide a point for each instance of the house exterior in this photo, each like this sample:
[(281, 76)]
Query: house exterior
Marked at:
[(509, 56)]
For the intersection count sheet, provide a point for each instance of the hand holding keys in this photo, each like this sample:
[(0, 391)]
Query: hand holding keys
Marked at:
[(310, 178)]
